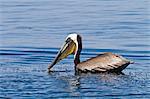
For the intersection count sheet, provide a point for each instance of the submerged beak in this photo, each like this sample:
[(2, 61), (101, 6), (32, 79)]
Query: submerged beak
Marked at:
[(67, 49)]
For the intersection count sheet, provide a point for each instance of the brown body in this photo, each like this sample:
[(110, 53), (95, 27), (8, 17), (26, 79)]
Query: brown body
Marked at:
[(107, 62)]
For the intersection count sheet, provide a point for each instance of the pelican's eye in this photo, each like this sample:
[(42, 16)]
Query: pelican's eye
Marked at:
[(68, 40)]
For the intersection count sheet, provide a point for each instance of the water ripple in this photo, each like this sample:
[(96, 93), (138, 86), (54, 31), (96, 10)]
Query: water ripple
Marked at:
[(31, 32)]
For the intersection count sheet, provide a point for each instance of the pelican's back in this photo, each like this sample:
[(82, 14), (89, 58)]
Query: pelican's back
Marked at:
[(107, 62)]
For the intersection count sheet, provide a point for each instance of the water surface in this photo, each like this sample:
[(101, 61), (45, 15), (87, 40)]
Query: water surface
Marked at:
[(31, 33)]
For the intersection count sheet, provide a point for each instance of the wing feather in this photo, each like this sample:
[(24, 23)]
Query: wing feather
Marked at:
[(107, 62)]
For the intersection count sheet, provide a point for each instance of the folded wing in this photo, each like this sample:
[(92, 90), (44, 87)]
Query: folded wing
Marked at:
[(107, 62)]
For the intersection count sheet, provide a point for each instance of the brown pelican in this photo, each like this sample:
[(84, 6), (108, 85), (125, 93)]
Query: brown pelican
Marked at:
[(106, 62)]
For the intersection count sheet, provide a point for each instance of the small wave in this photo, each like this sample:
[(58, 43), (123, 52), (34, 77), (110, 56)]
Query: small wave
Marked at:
[(32, 55), (53, 51)]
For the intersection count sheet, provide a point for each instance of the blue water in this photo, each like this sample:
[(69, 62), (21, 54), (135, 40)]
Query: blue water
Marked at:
[(32, 31)]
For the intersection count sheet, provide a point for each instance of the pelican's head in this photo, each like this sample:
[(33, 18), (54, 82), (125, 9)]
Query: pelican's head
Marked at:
[(72, 45)]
